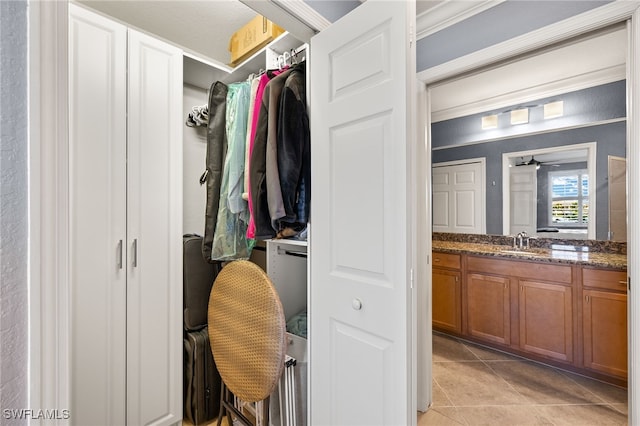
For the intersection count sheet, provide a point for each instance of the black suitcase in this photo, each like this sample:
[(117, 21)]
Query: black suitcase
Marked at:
[(201, 378), (198, 276)]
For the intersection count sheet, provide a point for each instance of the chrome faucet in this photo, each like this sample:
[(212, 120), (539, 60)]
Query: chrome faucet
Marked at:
[(521, 238)]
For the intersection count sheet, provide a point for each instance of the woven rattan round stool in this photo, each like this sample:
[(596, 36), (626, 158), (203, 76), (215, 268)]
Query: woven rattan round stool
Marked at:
[(247, 333)]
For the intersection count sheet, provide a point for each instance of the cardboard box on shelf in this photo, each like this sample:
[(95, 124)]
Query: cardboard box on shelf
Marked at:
[(256, 34)]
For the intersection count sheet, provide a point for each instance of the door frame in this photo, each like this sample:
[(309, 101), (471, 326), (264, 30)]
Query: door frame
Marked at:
[(591, 148), (611, 13)]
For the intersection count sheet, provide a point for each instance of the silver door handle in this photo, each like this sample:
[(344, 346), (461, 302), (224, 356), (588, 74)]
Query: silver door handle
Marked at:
[(119, 255), (134, 249)]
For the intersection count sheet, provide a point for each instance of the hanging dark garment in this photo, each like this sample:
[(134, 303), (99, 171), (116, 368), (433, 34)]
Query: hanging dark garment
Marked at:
[(264, 181), (216, 153), (294, 160)]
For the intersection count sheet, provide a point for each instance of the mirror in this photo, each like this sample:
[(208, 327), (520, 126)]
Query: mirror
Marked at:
[(547, 192), (481, 147)]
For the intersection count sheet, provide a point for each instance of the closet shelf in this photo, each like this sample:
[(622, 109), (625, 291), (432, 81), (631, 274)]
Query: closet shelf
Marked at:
[(202, 73)]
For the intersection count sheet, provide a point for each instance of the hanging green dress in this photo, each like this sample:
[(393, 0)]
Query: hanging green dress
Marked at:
[(230, 239)]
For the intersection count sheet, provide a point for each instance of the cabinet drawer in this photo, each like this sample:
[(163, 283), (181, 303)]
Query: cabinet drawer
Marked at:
[(446, 260), (537, 270), (605, 279)]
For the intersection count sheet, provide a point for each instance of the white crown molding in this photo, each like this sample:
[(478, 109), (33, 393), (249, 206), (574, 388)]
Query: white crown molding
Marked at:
[(586, 22), (553, 88), (298, 18), (448, 13), (305, 13)]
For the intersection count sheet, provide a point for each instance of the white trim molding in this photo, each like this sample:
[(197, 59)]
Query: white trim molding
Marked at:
[(449, 13), (304, 13), (633, 217), (553, 88), (49, 336), (294, 17)]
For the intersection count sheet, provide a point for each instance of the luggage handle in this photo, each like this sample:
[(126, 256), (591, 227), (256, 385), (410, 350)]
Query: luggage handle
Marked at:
[(135, 252), (119, 255)]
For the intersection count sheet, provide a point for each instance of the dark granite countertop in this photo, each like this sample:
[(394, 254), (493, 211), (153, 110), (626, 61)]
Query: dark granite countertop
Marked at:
[(555, 253)]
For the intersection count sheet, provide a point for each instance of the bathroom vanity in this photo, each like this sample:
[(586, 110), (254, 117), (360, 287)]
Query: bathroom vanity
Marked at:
[(563, 305)]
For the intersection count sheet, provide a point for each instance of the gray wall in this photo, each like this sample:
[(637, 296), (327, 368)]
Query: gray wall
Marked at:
[(333, 10), (497, 24), (14, 336)]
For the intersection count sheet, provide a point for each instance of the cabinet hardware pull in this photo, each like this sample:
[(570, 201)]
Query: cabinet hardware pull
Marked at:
[(135, 252), (622, 282), (436, 259), (586, 298), (119, 255), (456, 278)]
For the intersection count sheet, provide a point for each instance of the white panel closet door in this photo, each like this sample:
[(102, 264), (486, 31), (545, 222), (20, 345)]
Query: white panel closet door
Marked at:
[(459, 198), (362, 98), (154, 203), (523, 199), (97, 165)]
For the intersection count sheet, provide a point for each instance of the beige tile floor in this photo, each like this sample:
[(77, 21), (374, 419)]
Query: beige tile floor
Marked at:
[(473, 385)]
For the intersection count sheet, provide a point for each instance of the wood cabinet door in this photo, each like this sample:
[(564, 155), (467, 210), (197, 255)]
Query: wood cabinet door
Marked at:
[(605, 331), (446, 303), (546, 319), (488, 308)]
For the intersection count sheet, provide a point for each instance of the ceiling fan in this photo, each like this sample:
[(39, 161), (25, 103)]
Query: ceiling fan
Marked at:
[(531, 162)]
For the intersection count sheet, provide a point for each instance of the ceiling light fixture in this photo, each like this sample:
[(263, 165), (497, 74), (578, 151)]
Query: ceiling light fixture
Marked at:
[(490, 122), (553, 109), (520, 116)]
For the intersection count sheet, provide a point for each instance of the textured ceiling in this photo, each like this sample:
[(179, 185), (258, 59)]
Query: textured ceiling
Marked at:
[(201, 27)]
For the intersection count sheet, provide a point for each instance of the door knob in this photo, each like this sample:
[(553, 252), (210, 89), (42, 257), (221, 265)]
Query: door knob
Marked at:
[(356, 304)]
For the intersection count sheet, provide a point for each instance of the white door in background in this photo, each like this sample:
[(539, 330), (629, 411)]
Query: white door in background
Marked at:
[(362, 102), (459, 198), (523, 187)]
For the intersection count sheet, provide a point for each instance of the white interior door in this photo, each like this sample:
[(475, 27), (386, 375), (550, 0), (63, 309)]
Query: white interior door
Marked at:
[(362, 101), (458, 192), (617, 198), (523, 199), (154, 234), (97, 222)]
